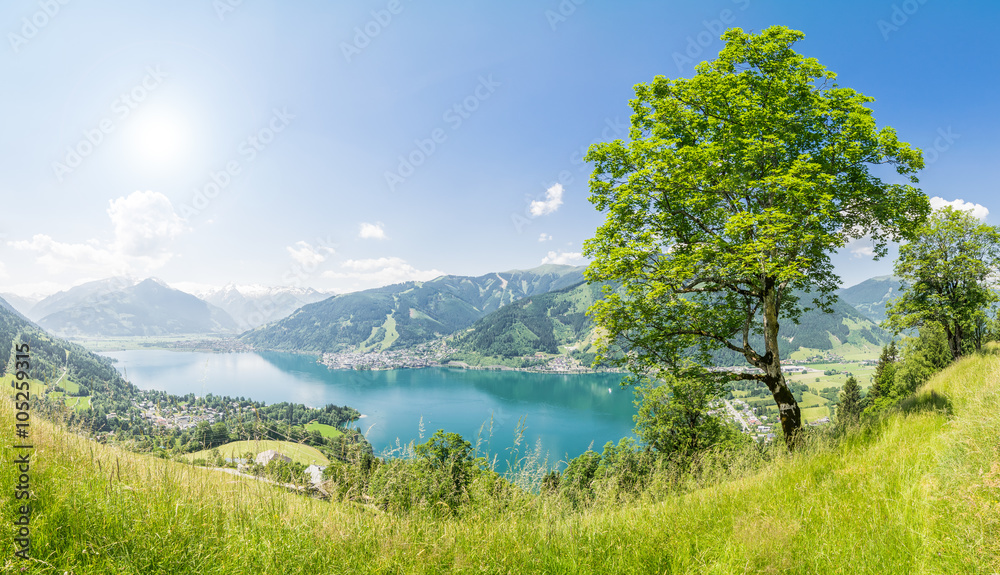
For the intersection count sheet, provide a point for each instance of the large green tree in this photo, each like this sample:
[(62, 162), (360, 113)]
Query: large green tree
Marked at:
[(948, 273), (734, 188)]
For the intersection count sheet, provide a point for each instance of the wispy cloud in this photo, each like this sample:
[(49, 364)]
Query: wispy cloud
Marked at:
[(375, 272), (544, 238), (307, 256)]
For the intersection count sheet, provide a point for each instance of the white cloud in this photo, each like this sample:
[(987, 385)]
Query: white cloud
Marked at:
[(3, 271), (863, 251), (144, 225), (308, 256), (57, 257), (544, 237), (375, 272), (372, 231), (978, 211), (564, 258), (553, 199)]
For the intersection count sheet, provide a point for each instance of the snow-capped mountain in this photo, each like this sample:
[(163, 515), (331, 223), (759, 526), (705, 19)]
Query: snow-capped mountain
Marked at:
[(254, 305)]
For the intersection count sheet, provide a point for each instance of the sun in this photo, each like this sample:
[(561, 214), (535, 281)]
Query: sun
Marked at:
[(158, 139)]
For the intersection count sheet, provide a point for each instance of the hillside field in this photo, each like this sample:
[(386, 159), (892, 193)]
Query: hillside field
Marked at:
[(299, 453)]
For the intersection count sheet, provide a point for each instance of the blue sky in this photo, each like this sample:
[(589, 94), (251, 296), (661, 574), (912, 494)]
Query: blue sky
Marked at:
[(346, 145)]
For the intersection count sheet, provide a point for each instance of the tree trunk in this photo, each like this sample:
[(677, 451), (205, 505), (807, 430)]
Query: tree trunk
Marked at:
[(788, 408), (954, 341)]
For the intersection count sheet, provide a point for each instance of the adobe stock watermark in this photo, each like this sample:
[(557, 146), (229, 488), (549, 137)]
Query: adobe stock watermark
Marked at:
[(225, 7), (121, 108), (363, 35), (900, 15), (562, 12), (247, 150), (32, 25), (711, 33), (942, 143), (613, 129), (455, 116)]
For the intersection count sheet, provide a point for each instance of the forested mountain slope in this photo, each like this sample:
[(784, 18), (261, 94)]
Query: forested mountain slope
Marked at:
[(405, 314)]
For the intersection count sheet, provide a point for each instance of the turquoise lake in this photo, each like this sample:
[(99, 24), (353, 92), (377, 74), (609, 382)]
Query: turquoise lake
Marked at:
[(563, 414)]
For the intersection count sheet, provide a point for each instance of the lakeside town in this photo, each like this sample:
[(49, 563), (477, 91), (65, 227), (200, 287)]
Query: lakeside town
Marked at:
[(438, 354)]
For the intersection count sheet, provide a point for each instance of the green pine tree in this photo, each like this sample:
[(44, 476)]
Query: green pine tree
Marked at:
[(849, 410), (885, 372)]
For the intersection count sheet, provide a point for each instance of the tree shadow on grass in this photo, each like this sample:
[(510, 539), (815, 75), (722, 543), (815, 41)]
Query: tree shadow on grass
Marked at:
[(927, 401)]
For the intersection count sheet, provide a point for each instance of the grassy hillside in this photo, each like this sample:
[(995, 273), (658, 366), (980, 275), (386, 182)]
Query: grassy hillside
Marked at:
[(917, 493)]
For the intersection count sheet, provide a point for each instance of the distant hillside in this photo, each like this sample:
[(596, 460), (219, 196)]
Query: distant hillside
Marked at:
[(871, 297), (51, 355), (78, 295), (547, 323), (252, 306), (23, 305), (406, 314), (556, 322), (147, 308)]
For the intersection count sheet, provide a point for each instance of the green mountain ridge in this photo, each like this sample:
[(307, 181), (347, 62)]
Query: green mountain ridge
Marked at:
[(871, 296), (50, 356), (556, 322), (406, 314)]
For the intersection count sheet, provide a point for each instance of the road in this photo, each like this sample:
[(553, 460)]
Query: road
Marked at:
[(737, 416)]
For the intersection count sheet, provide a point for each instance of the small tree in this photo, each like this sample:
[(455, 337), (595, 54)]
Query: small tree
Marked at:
[(729, 197), (673, 416), (885, 373), (948, 273), (450, 453), (849, 409)]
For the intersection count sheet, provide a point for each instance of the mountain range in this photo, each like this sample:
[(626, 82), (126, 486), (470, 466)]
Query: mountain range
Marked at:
[(251, 306), (871, 297), (556, 322), (504, 314), (148, 308), (405, 314)]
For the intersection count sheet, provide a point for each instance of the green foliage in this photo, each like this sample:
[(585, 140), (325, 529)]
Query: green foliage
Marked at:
[(850, 407), (673, 416), (921, 489), (449, 453), (947, 272), (922, 357), (885, 373), (729, 197), (619, 469)]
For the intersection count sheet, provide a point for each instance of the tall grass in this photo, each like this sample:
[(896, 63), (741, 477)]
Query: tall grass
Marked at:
[(916, 492)]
